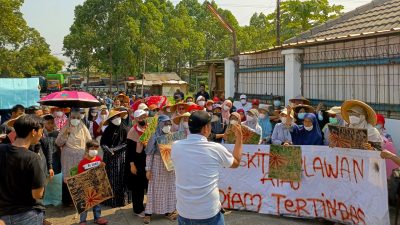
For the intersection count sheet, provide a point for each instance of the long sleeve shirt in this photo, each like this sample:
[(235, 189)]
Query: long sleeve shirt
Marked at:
[(281, 134)]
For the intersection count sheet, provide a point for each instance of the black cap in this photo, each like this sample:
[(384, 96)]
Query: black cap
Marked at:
[(199, 119)]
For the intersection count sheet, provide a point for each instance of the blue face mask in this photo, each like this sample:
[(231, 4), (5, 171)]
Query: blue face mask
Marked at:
[(379, 126), (301, 116), (333, 120), (320, 116), (277, 103)]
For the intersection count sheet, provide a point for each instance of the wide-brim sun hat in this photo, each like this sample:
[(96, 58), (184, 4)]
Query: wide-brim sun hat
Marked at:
[(177, 119), (174, 107), (114, 113), (300, 98), (347, 105), (308, 108), (335, 110), (284, 111)]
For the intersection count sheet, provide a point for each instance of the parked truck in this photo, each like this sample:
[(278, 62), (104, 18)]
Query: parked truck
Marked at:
[(54, 82)]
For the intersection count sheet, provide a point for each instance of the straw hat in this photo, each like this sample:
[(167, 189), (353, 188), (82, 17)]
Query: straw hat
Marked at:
[(300, 98), (177, 119), (11, 122), (347, 105), (113, 113), (335, 110), (308, 108), (209, 102), (284, 111), (174, 107)]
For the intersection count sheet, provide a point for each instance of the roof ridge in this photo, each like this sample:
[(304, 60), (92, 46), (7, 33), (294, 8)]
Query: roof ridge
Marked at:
[(330, 23)]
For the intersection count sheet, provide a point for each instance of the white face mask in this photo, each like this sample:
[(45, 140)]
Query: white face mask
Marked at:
[(59, 114), (75, 122), (93, 114), (82, 116), (243, 101), (249, 118), (202, 103), (226, 108), (186, 125), (93, 153), (262, 116), (354, 119), (309, 128), (103, 117), (283, 119), (233, 122), (116, 121), (166, 129)]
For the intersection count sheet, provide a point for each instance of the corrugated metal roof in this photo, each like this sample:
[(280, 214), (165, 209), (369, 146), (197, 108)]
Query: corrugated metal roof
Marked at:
[(157, 82), (376, 16), (161, 76)]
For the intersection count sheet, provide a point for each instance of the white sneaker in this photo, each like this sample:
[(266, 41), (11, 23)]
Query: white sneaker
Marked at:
[(141, 215)]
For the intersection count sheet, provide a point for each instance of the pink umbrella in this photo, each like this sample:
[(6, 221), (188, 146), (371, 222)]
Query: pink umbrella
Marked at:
[(73, 99)]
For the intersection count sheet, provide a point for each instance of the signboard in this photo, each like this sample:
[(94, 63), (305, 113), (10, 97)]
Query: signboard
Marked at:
[(150, 129), (346, 137), (343, 185), (165, 143), (285, 162), (249, 137), (89, 188)]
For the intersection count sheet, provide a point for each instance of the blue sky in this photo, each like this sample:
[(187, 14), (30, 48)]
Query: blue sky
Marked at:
[(52, 18)]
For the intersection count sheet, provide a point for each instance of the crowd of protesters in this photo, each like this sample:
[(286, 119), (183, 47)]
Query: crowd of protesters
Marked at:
[(39, 142)]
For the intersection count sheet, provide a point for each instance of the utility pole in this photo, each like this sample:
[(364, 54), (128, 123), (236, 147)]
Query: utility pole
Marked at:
[(278, 22)]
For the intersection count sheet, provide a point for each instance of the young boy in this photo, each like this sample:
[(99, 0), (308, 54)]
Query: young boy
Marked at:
[(91, 160)]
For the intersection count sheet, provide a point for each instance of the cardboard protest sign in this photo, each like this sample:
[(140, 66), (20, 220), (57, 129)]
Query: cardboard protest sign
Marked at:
[(150, 129), (346, 137), (285, 162), (249, 137), (89, 188), (348, 186), (165, 144)]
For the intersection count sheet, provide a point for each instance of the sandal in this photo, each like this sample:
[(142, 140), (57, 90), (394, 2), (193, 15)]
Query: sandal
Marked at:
[(172, 216), (146, 220), (101, 221)]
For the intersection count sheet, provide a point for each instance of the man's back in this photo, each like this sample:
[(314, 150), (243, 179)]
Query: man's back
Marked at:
[(20, 172), (197, 164)]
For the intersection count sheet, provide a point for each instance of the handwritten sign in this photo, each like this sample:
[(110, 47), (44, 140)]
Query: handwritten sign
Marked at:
[(89, 188), (346, 137), (249, 137), (165, 143), (341, 185), (150, 129), (285, 162)]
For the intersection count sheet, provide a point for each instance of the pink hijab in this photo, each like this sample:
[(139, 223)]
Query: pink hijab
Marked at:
[(226, 113)]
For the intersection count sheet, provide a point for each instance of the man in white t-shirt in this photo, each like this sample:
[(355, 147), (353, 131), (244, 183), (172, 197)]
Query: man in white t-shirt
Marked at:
[(197, 162)]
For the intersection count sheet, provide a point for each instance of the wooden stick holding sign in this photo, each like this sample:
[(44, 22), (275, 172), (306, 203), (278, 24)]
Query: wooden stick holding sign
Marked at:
[(89, 188)]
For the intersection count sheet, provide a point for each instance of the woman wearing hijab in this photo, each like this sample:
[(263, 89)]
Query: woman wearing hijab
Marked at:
[(72, 141), (359, 115), (225, 110), (300, 112), (252, 122), (265, 124), (307, 134), (135, 173), (181, 123), (113, 142), (60, 119), (161, 197), (281, 134), (218, 126), (242, 115), (387, 144)]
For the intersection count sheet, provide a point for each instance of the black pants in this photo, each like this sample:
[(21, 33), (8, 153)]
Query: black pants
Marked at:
[(137, 199), (66, 197)]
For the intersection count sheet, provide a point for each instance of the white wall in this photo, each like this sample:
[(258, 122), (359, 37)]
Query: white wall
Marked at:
[(393, 128), (229, 78)]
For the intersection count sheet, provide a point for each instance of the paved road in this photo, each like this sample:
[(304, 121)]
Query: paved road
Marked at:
[(124, 216)]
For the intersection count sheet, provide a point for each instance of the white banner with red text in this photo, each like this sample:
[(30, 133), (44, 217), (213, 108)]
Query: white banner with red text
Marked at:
[(344, 185)]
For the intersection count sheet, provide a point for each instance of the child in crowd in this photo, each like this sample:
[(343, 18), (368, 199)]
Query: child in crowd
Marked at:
[(91, 160)]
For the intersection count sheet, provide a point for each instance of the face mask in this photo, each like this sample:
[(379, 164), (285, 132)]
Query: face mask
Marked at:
[(103, 117), (262, 116), (309, 128), (152, 113), (277, 103), (233, 122), (320, 116), (166, 129), (354, 119), (243, 101), (93, 153), (226, 108), (283, 119), (59, 114), (301, 116), (186, 125), (125, 117), (333, 120), (249, 118), (75, 122), (202, 103), (209, 108), (116, 121), (93, 114), (82, 116), (142, 123), (379, 126)]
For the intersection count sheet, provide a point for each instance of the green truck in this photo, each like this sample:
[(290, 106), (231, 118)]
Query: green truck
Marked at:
[(54, 82)]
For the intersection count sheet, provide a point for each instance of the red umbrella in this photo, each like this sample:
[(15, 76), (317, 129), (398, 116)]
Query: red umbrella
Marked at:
[(76, 99), (160, 101)]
